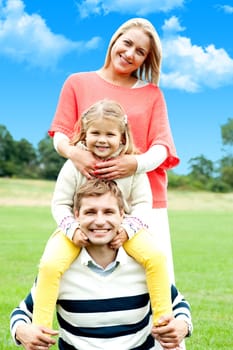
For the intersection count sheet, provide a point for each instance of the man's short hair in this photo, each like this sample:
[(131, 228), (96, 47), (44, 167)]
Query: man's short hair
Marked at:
[(96, 188)]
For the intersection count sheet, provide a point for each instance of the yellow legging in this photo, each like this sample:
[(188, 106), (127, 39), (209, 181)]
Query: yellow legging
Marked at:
[(60, 252)]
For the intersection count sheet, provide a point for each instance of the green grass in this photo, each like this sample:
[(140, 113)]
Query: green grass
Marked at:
[(202, 249)]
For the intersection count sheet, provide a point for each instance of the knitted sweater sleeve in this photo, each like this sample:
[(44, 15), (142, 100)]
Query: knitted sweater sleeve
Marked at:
[(67, 182)]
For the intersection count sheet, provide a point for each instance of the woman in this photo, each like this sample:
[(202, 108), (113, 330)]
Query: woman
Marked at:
[(130, 75)]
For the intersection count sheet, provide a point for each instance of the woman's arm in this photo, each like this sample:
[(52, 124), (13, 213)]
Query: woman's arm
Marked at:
[(127, 165)]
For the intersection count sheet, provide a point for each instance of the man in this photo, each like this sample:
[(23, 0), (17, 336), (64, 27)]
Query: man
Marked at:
[(103, 301)]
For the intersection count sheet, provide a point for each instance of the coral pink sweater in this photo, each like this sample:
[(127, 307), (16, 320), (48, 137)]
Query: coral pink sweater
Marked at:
[(147, 115)]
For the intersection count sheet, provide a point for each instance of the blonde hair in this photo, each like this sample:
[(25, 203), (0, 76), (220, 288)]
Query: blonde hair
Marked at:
[(150, 69), (111, 110), (96, 188)]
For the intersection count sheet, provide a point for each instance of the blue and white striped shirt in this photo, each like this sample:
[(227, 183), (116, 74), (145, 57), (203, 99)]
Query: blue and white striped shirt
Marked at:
[(103, 310)]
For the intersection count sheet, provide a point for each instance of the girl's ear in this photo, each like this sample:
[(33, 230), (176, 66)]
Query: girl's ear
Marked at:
[(123, 141)]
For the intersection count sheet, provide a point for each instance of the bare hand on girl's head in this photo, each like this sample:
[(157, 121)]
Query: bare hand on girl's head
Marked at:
[(80, 239), (120, 239), (116, 168)]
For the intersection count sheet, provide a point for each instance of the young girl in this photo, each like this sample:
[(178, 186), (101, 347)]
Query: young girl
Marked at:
[(104, 132)]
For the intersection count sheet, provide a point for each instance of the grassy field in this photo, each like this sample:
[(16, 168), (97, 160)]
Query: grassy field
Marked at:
[(201, 226)]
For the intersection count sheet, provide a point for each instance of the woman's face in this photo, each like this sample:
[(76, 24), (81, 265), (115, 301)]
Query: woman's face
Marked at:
[(130, 51)]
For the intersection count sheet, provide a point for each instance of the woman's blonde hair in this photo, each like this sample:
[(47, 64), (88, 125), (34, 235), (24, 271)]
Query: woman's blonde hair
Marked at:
[(150, 69), (111, 110)]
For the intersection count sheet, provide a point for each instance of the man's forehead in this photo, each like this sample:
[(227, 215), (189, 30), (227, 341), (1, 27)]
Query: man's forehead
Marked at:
[(104, 201)]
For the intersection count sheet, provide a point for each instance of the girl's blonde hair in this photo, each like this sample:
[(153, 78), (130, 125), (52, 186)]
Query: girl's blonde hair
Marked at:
[(111, 110), (150, 69)]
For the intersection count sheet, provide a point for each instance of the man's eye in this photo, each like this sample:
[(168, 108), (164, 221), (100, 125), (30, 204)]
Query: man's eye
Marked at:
[(109, 212), (90, 212)]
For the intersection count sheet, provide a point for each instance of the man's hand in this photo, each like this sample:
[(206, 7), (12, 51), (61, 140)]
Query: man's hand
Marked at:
[(119, 239), (171, 335), (80, 239), (34, 337)]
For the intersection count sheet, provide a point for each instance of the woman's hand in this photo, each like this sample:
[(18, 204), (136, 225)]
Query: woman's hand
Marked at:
[(116, 168), (84, 161)]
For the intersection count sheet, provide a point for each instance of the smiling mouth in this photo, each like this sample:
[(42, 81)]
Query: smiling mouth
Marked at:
[(101, 231), (102, 148), (125, 60)]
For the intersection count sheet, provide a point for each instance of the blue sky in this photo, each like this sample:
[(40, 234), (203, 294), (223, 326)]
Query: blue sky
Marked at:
[(42, 42)]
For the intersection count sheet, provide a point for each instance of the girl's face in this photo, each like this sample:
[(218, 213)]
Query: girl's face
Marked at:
[(103, 138), (130, 51)]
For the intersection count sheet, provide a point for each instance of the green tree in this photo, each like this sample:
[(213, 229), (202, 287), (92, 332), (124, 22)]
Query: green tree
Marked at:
[(226, 163), (50, 162), (202, 171), (227, 132), (26, 159), (7, 153)]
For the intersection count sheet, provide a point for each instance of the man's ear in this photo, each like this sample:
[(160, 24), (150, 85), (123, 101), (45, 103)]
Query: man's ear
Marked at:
[(76, 213)]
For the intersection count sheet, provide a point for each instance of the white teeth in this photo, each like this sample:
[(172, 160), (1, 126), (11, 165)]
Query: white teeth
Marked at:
[(100, 231)]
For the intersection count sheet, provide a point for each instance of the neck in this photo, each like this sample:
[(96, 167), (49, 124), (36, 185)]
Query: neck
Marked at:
[(125, 80), (103, 255)]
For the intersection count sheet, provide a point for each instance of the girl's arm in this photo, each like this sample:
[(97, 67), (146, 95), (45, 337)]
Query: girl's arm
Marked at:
[(69, 179)]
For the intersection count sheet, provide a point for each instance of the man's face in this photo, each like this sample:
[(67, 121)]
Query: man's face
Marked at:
[(99, 218)]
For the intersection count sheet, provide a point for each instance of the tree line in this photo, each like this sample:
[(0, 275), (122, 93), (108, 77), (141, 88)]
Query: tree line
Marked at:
[(20, 159)]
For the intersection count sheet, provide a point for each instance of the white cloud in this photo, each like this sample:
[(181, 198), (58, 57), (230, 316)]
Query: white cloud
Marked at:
[(190, 67), (228, 9), (136, 7), (27, 38), (172, 25)]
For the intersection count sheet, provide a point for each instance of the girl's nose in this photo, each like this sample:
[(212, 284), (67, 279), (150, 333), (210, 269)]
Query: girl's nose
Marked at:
[(102, 138)]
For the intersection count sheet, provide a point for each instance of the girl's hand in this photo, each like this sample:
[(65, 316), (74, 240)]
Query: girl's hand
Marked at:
[(116, 168), (119, 239), (80, 239)]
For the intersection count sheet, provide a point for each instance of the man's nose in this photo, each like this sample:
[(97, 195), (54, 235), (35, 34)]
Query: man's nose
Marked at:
[(100, 219)]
